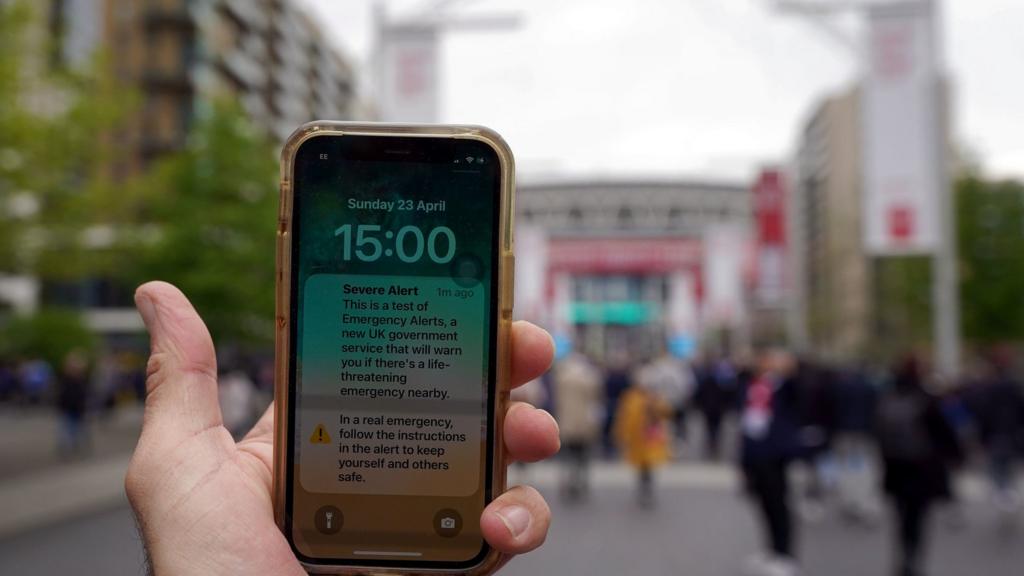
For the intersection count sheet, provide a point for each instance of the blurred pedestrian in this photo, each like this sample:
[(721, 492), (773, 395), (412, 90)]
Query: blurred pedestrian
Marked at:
[(918, 446), (856, 403), (36, 381), (715, 397), (642, 431), (770, 442), (237, 394), (107, 381), (616, 381), (1001, 425), (8, 381), (72, 401), (817, 407), (579, 405), (673, 380)]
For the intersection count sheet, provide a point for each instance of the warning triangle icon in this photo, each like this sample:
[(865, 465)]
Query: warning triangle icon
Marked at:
[(320, 435)]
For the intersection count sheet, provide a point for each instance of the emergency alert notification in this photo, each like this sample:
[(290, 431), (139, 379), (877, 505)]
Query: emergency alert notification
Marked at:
[(392, 382)]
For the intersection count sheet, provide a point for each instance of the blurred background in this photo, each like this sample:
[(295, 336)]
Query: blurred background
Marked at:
[(780, 245)]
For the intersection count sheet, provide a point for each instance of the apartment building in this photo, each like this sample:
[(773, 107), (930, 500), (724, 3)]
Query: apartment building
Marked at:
[(834, 272), (182, 54)]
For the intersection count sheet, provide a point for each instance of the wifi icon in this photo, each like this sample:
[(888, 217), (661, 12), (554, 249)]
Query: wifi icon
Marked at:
[(469, 159)]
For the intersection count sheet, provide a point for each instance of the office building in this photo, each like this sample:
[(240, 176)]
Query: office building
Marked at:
[(833, 272)]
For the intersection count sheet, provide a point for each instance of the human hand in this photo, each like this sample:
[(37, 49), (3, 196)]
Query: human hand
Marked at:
[(203, 501)]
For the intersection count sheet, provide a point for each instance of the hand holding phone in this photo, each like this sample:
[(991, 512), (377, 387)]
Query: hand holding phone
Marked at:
[(203, 502)]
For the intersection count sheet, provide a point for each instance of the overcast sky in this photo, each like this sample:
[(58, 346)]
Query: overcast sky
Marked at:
[(711, 88)]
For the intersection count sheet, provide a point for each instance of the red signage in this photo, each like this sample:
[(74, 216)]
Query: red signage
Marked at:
[(625, 255), (640, 256), (770, 209), (769, 197), (901, 223)]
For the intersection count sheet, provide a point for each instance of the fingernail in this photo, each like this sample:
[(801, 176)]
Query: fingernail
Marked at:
[(550, 417), (146, 309), (516, 519)]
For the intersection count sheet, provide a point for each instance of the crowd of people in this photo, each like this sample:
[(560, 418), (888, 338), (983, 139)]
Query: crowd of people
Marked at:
[(856, 437), (83, 387)]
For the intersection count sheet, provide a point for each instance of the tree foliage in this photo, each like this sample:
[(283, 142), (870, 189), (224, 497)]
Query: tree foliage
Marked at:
[(57, 128), (990, 226), (50, 334), (208, 225), (990, 245)]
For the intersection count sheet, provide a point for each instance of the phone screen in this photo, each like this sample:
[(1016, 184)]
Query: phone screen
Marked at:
[(392, 368)]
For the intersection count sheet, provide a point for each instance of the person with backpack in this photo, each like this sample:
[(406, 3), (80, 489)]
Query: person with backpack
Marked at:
[(918, 449)]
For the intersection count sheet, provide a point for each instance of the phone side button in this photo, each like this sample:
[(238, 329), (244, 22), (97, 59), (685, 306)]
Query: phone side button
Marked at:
[(508, 285)]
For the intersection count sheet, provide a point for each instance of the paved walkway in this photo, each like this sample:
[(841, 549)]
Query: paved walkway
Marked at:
[(39, 488), (700, 527), (28, 439)]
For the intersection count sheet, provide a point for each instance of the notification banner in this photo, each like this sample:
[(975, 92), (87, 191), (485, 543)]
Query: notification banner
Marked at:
[(392, 383)]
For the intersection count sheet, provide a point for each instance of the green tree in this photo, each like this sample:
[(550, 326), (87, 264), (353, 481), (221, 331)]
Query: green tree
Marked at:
[(990, 228), (50, 334), (15, 131), (57, 128), (903, 320), (990, 243), (209, 218)]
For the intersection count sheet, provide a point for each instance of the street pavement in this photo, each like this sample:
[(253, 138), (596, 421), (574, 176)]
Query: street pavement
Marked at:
[(701, 526), (28, 439), (39, 487)]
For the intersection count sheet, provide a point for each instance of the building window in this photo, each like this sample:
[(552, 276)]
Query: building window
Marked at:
[(625, 218), (575, 217), (675, 217)]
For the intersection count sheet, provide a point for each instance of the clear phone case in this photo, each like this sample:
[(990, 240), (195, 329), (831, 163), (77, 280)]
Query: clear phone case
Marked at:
[(505, 265)]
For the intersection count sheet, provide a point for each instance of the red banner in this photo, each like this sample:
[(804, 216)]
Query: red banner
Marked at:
[(769, 197)]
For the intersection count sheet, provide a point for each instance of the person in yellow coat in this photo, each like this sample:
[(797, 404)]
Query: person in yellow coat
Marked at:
[(642, 431)]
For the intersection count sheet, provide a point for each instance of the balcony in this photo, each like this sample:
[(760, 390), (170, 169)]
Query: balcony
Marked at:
[(244, 69), (166, 80), (249, 14), (179, 16), (153, 146)]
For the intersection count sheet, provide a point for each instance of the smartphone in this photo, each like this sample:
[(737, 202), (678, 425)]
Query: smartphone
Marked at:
[(394, 307)]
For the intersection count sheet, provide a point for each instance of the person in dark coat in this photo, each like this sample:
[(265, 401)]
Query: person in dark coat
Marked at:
[(856, 403), (615, 383), (770, 442), (1001, 427), (715, 397), (817, 407), (72, 401), (918, 448)]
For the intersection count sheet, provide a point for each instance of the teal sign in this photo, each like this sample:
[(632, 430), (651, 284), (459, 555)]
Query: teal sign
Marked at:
[(628, 313)]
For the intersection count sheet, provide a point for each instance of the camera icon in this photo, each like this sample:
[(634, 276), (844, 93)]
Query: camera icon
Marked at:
[(447, 523)]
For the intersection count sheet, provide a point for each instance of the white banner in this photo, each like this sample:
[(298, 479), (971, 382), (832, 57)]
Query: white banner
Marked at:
[(408, 67), (531, 273), (725, 248), (900, 147), (682, 317)]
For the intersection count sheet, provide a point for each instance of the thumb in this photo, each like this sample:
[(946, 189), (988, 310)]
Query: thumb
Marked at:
[(181, 376)]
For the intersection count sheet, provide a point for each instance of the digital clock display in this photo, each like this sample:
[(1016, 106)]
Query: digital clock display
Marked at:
[(408, 245), (394, 250)]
